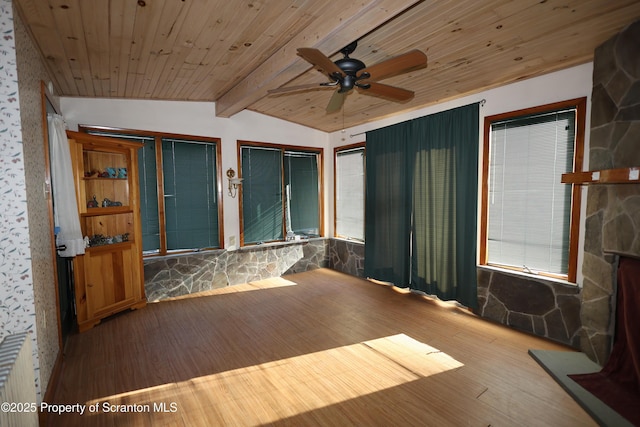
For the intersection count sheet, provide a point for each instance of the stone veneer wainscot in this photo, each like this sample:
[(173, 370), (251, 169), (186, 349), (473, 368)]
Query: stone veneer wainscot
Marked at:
[(183, 274)]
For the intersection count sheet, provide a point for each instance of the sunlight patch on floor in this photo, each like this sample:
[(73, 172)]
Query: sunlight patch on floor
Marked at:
[(296, 385)]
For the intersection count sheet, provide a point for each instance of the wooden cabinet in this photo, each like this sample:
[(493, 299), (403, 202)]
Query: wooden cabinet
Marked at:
[(109, 276)]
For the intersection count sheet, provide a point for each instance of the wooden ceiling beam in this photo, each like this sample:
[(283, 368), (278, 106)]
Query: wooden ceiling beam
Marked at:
[(328, 33)]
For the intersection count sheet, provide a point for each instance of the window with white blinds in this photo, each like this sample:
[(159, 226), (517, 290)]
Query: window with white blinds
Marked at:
[(529, 211), (349, 203)]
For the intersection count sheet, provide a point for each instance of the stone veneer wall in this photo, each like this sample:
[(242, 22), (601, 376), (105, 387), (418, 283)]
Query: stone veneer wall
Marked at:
[(542, 307), (613, 210), (184, 274), (177, 275), (347, 256)]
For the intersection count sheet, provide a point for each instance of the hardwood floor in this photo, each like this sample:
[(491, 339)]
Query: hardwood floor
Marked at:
[(316, 348)]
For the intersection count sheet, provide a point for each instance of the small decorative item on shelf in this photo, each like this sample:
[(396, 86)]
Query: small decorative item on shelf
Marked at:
[(111, 172), (97, 240), (104, 174), (121, 238), (92, 203), (89, 174), (101, 240), (122, 173), (108, 203)]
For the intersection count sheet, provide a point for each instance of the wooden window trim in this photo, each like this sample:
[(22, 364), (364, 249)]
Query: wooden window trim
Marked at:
[(162, 251), (581, 105), (337, 150), (285, 147)]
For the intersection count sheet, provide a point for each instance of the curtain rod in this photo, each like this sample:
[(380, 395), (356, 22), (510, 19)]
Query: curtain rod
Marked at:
[(482, 102)]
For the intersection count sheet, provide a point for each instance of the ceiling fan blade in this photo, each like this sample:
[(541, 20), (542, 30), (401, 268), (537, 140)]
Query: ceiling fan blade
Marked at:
[(310, 86), (411, 60), (386, 91), (319, 59), (336, 101)]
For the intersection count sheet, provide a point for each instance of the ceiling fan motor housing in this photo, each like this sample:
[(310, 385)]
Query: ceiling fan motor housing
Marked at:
[(350, 67)]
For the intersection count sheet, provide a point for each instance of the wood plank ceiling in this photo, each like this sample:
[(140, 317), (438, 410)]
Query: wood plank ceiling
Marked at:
[(232, 52)]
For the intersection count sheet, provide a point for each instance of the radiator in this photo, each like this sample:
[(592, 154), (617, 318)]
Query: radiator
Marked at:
[(17, 383)]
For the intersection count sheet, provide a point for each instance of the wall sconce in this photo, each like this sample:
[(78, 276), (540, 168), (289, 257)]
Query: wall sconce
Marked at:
[(233, 182)]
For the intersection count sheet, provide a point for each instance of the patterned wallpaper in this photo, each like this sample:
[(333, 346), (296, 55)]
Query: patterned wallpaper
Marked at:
[(32, 72), (27, 294), (17, 310)]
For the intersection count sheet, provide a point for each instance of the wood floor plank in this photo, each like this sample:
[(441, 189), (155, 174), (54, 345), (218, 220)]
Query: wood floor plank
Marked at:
[(316, 348)]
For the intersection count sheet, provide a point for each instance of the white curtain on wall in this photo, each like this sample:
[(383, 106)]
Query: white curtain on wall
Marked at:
[(65, 206)]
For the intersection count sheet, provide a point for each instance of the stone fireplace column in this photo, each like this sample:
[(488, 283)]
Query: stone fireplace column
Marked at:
[(613, 210)]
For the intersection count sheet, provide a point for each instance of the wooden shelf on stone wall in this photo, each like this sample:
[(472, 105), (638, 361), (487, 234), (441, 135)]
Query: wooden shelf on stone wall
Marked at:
[(605, 176)]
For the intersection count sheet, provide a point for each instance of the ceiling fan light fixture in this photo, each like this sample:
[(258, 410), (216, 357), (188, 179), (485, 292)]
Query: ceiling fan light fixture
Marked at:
[(348, 82)]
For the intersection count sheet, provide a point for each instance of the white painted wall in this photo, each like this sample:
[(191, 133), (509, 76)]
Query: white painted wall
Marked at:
[(199, 118), (575, 82)]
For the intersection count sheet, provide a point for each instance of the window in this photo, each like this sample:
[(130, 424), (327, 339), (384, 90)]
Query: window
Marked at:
[(281, 196), (349, 191), (529, 218), (179, 191)]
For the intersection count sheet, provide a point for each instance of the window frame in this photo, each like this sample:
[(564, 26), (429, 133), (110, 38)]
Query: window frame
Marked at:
[(319, 151), (158, 136), (580, 104), (336, 151)]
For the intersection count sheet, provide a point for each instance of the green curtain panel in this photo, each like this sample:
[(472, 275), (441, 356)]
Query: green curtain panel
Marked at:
[(388, 205), (445, 200), (436, 232)]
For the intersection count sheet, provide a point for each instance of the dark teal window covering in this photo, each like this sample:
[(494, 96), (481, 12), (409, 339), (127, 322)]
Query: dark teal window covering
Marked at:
[(262, 201), (301, 187), (280, 193), (445, 203), (190, 195), (387, 251), (149, 215), (191, 206), (422, 202)]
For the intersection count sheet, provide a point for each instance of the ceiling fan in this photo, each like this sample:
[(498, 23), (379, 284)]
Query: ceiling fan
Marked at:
[(348, 73)]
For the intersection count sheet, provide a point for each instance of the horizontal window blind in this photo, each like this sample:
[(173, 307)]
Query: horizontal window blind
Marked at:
[(262, 194), (349, 176), (301, 180), (190, 195), (189, 172), (529, 207)]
